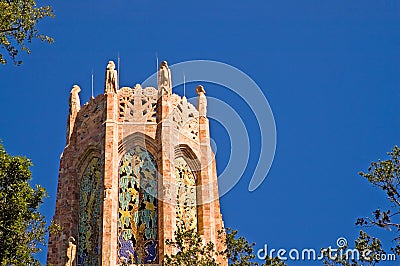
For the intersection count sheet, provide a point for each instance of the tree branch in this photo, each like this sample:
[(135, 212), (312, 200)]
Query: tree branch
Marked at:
[(11, 29)]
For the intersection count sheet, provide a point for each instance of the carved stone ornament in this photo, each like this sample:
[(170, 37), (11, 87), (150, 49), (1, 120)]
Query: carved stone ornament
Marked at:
[(71, 252), (201, 100), (165, 83), (137, 104), (74, 107), (111, 78), (74, 100)]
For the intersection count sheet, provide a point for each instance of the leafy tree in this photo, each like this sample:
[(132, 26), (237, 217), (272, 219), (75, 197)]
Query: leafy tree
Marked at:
[(238, 250), (367, 250), (191, 250), (22, 227), (384, 175), (18, 26)]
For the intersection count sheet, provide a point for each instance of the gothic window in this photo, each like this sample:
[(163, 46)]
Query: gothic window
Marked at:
[(89, 213), (186, 207), (137, 213)]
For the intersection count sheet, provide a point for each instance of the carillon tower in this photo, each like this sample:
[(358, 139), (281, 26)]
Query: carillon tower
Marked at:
[(137, 164)]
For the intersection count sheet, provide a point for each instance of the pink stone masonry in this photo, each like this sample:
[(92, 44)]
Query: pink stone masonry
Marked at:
[(106, 127)]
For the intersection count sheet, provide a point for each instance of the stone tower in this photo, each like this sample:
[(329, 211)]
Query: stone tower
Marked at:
[(137, 164)]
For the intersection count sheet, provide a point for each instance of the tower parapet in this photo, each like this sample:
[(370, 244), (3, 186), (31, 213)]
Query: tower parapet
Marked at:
[(137, 164)]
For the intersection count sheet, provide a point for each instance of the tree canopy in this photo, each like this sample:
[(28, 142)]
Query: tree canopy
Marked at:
[(191, 250), (385, 175), (18, 26), (22, 227)]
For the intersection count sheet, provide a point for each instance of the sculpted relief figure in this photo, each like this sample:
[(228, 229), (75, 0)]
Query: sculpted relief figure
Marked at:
[(111, 78), (201, 100), (71, 252), (165, 84)]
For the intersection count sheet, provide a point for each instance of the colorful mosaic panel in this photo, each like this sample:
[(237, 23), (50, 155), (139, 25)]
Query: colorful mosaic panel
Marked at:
[(186, 207), (137, 223), (89, 214)]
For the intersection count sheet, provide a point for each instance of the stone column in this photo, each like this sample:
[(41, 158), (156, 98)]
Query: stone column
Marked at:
[(206, 184), (110, 203), (166, 139)]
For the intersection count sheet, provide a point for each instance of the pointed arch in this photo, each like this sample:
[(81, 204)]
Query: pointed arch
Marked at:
[(138, 139), (183, 150)]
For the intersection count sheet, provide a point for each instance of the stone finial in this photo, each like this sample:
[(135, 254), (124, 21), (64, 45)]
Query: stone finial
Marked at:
[(111, 78), (200, 90), (201, 100), (74, 107), (137, 89), (74, 100), (71, 252), (164, 80)]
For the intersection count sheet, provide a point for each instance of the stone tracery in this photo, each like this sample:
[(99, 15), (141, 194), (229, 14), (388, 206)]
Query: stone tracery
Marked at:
[(137, 104), (184, 116)]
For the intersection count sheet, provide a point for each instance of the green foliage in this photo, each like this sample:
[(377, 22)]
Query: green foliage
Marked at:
[(191, 250), (18, 26), (384, 175), (22, 227), (273, 262), (368, 248), (238, 250)]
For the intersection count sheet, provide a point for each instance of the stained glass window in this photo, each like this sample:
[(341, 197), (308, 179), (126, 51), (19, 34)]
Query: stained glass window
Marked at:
[(89, 214), (186, 209), (137, 223)]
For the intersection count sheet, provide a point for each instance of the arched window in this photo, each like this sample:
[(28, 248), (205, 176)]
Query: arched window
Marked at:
[(186, 207), (89, 213), (137, 213)]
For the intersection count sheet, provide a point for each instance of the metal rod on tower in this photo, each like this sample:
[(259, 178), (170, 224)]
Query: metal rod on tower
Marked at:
[(118, 69), (184, 85), (157, 67), (92, 85)]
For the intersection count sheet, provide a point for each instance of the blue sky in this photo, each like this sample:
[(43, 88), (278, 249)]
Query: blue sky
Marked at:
[(329, 69)]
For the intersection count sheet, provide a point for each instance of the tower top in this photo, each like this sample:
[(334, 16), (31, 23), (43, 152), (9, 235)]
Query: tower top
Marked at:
[(137, 165)]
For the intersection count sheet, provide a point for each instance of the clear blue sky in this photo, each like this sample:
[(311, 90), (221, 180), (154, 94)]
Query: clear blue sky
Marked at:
[(329, 69)]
